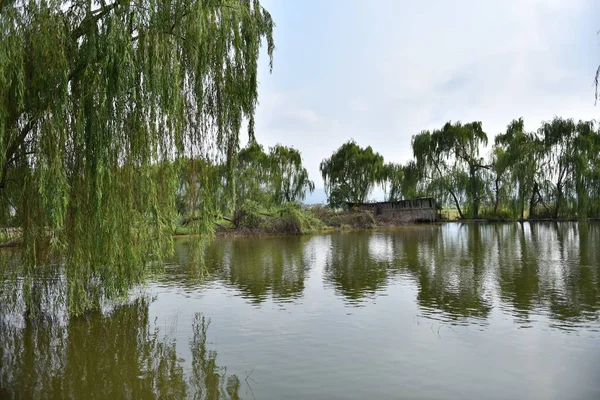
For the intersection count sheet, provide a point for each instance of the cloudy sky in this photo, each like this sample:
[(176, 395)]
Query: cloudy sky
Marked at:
[(381, 71)]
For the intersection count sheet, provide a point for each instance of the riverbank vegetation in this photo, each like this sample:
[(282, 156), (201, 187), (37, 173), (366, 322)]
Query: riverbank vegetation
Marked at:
[(549, 173), (552, 172), (120, 124), (269, 187)]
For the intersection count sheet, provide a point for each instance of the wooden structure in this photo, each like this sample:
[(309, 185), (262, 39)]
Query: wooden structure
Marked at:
[(402, 211)]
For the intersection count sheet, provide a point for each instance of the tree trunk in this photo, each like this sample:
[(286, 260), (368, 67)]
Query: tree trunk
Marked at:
[(582, 200), (474, 197), (532, 201), (559, 195), (457, 205), (497, 199)]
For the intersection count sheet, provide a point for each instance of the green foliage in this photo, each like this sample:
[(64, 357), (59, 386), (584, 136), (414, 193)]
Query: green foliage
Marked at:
[(97, 101), (298, 219), (391, 178), (201, 192), (519, 180), (344, 219), (292, 218), (519, 156), (551, 173), (559, 137), (351, 173), (585, 183), (400, 181), (411, 176), (252, 176), (289, 178), (499, 214), (263, 183), (275, 178), (449, 159), (250, 215), (289, 218)]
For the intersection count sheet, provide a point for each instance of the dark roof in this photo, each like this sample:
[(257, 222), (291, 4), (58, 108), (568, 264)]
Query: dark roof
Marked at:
[(387, 202)]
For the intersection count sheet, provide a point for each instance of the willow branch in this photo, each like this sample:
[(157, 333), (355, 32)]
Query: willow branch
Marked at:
[(11, 150), (94, 17)]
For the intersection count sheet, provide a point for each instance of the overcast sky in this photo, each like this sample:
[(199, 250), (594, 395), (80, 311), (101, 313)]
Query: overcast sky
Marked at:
[(381, 71)]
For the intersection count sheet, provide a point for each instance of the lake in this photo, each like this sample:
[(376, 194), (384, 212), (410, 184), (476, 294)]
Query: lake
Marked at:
[(453, 311)]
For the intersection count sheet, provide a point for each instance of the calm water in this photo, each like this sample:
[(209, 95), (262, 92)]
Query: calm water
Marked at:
[(427, 312)]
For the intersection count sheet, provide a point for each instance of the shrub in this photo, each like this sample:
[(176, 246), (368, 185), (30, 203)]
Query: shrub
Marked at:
[(299, 220), (349, 218), (250, 216)]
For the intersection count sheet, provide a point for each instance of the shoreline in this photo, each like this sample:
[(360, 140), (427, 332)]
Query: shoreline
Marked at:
[(245, 232), (13, 242)]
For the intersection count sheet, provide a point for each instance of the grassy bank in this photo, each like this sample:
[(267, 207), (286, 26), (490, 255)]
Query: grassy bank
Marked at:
[(252, 219)]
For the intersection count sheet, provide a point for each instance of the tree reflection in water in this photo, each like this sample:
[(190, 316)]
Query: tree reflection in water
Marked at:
[(458, 273), (258, 267), (114, 355), (452, 276), (462, 270), (353, 270)]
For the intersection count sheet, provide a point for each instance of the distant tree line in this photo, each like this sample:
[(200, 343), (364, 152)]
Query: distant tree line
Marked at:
[(553, 172)]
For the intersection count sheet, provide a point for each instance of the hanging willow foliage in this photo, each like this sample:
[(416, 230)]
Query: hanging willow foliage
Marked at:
[(97, 101), (351, 173)]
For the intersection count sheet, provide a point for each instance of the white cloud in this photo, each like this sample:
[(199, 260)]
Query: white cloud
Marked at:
[(382, 72)]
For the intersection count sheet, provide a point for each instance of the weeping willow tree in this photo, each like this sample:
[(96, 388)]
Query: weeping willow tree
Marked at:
[(391, 178), (586, 170), (559, 137), (439, 169), (289, 178), (202, 190), (97, 99), (252, 176), (449, 157), (351, 173)]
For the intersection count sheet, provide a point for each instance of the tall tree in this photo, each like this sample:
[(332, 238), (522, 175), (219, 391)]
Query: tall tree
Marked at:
[(465, 143), (434, 165), (392, 176), (288, 177), (252, 177), (351, 173), (450, 159), (520, 154), (499, 167), (559, 140), (411, 178), (201, 191), (583, 186), (400, 181), (94, 96)]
